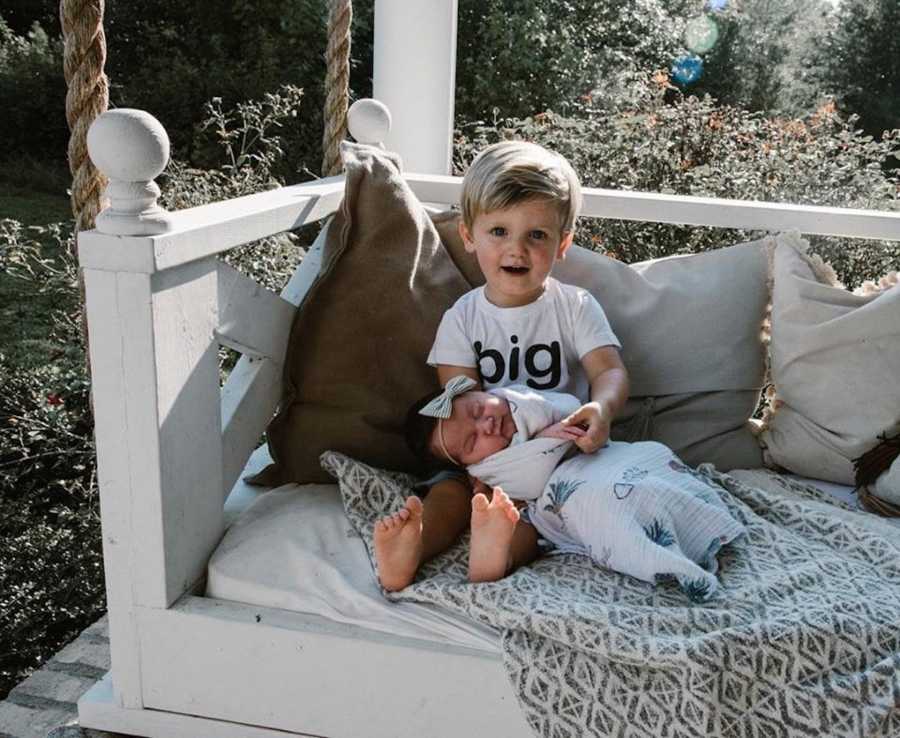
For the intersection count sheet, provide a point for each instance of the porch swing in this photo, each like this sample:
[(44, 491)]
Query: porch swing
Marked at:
[(193, 653)]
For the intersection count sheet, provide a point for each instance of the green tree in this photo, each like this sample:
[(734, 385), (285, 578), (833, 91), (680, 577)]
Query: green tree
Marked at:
[(754, 63), (858, 63), (32, 93), (528, 56)]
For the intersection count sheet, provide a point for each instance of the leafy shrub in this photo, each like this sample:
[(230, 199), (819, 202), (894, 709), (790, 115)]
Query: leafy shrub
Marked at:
[(249, 152), (696, 148), (51, 569), (525, 57)]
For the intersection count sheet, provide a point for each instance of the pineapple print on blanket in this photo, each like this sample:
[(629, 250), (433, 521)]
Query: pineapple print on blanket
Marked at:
[(558, 493), (637, 509)]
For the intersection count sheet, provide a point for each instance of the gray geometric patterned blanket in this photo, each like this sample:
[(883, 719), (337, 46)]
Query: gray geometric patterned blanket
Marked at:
[(803, 639)]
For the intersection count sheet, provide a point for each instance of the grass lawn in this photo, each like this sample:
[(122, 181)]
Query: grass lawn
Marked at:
[(25, 315), (33, 208)]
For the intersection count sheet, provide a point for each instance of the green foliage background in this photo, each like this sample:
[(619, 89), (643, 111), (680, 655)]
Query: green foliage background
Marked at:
[(519, 57)]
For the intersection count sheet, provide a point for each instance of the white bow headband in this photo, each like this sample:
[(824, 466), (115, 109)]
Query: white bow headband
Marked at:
[(441, 407)]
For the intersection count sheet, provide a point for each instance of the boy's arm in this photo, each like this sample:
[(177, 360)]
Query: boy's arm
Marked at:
[(608, 379), (446, 372)]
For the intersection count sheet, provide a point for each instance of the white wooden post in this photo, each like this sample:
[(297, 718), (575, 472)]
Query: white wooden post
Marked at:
[(415, 76), (156, 397)]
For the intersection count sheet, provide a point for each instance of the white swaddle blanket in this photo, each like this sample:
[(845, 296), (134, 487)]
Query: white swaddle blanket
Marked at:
[(523, 469), (632, 507)]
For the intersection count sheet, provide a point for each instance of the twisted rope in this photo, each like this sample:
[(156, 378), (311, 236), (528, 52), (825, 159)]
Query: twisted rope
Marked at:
[(86, 98), (337, 84)]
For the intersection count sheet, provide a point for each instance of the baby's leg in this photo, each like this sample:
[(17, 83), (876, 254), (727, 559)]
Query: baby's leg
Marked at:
[(419, 531), (493, 526)]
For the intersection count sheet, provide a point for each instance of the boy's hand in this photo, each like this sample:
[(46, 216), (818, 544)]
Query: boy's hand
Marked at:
[(596, 424), (563, 432)]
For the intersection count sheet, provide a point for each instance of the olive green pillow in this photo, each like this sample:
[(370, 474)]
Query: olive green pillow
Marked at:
[(356, 354)]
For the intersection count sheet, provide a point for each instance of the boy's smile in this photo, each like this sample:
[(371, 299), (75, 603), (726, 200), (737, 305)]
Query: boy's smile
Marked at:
[(516, 248)]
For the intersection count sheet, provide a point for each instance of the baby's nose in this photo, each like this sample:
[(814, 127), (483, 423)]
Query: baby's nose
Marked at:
[(488, 424)]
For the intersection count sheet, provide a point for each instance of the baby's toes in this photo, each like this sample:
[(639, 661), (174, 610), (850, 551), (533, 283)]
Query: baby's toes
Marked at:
[(480, 503), (413, 505)]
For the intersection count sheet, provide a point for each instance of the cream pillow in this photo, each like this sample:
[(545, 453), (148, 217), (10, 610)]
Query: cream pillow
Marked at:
[(835, 363)]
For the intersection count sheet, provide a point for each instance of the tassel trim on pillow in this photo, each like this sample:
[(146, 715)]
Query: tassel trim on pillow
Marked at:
[(824, 273)]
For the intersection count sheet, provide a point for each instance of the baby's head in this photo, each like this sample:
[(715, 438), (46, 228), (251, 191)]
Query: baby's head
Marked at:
[(519, 205), (480, 424)]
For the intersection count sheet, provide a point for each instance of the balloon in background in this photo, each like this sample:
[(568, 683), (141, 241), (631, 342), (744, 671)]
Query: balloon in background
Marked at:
[(701, 34), (687, 69)]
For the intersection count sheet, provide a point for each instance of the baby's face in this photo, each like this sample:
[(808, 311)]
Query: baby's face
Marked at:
[(481, 424)]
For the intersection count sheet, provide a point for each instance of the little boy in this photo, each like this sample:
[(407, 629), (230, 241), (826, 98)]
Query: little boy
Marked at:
[(519, 205)]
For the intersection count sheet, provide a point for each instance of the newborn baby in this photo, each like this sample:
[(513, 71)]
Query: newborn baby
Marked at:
[(632, 507)]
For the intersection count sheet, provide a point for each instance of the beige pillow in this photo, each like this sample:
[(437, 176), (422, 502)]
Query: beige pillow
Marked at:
[(835, 360), (690, 328)]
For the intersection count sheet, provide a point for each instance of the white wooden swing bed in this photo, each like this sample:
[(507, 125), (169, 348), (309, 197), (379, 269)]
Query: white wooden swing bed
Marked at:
[(171, 445)]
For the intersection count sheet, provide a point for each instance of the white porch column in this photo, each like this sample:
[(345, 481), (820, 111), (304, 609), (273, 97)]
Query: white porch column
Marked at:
[(415, 76)]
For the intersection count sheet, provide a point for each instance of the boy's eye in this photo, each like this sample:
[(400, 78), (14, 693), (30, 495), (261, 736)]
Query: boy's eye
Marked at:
[(538, 235), (497, 231)]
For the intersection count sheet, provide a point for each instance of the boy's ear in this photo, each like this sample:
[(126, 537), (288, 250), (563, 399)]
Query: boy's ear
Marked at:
[(466, 236), (568, 237)]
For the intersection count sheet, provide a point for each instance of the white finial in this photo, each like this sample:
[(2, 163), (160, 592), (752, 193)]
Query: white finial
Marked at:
[(131, 148), (369, 121)]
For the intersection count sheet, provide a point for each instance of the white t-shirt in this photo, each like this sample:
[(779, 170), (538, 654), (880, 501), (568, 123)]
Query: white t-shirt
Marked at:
[(539, 344)]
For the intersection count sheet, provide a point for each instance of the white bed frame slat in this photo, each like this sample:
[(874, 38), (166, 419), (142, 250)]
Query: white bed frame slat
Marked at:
[(285, 658), (253, 389), (651, 207), (252, 320), (117, 409), (249, 399), (211, 229)]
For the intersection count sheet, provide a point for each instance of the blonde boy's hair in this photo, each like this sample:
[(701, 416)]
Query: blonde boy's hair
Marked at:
[(510, 172)]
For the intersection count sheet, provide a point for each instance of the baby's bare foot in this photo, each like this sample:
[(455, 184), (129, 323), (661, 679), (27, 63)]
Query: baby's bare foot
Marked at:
[(398, 545), (493, 524)]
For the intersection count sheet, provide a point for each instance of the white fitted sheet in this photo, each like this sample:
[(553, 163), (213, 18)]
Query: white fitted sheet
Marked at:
[(293, 548)]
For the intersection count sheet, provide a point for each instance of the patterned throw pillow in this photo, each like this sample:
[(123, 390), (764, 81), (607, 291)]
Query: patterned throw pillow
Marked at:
[(835, 360)]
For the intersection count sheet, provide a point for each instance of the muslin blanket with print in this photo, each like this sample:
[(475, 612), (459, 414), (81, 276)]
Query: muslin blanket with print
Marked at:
[(800, 642), (632, 507)]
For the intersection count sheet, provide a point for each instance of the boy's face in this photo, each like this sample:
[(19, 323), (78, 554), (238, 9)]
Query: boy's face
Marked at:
[(516, 248), (481, 424)]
